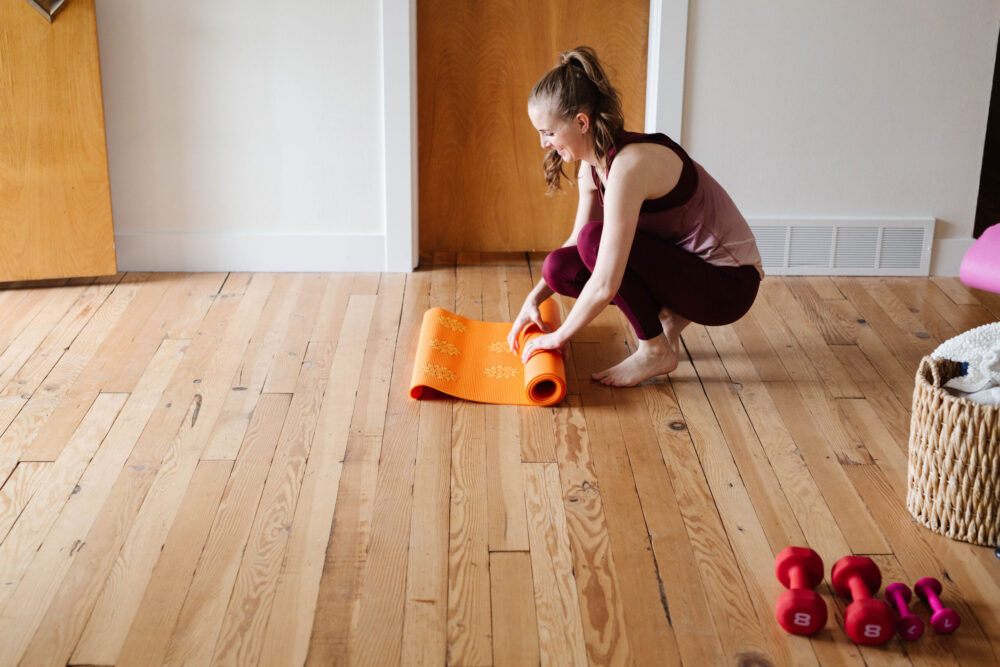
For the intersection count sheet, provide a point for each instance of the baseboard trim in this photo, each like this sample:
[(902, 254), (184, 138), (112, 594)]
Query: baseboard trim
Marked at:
[(948, 254), (305, 253)]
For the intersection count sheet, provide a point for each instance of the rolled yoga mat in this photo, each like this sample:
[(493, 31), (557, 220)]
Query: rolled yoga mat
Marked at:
[(471, 360)]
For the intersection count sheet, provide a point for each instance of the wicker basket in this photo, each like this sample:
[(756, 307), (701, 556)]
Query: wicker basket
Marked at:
[(954, 468)]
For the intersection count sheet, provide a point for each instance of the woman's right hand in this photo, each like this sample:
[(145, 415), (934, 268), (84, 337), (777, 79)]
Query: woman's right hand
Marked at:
[(529, 314)]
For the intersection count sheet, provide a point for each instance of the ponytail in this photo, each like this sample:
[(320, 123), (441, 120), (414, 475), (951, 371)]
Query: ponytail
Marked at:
[(578, 84)]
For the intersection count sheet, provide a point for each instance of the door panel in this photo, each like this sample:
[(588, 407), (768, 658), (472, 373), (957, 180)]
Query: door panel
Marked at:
[(55, 201), (481, 182)]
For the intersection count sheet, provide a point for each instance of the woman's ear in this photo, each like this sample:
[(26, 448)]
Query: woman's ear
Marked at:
[(582, 121)]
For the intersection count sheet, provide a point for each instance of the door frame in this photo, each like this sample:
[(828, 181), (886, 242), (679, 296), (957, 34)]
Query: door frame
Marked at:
[(665, 67)]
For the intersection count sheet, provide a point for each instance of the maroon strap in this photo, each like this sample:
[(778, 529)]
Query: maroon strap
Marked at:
[(681, 192)]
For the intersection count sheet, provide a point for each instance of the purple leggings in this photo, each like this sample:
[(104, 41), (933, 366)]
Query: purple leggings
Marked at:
[(658, 274)]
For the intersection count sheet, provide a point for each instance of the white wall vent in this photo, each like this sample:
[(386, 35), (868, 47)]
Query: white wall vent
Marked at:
[(845, 247)]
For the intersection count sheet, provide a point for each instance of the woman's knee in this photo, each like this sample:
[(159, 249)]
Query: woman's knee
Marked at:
[(588, 241), (560, 268)]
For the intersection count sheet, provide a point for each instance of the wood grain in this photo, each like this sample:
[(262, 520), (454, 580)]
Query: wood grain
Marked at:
[(481, 182), (359, 526), (55, 206), (557, 607)]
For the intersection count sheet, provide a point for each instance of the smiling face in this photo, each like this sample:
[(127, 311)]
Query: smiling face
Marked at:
[(570, 137)]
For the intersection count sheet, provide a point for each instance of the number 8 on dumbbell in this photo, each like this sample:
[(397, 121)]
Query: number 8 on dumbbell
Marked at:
[(800, 610)]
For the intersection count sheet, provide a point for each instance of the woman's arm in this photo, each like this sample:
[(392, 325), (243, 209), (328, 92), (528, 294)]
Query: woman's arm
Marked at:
[(588, 208), (634, 177), (623, 197)]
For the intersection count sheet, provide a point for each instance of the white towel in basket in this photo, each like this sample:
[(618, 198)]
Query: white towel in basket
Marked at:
[(979, 349)]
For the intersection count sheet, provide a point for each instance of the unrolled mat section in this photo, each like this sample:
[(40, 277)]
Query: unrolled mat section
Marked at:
[(471, 360)]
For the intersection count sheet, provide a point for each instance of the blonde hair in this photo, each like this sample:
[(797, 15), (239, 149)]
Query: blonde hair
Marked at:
[(578, 84)]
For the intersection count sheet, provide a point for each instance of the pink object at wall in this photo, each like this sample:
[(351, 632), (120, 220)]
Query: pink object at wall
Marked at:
[(981, 264)]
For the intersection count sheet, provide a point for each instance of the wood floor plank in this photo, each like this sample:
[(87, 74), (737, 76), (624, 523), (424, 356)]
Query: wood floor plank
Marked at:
[(955, 290), (242, 634), (331, 310), (598, 589), (187, 303), (650, 636), (769, 500), (149, 631), (30, 579), (469, 620), (680, 586), (824, 410), (742, 521), (186, 409), (425, 623), (656, 547), (340, 587), (557, 606), (296, 592), (811, 340), (53, 309), (74, 339), (32, 526), (897, 340), (714, 598), (379, 637), (825, 287), (813, 511), (179, 314), (284, 372), (122, 594), (905, 315), (19, 488), (816, 309), (787, 349), (856, 525), (198, 624), (18, 308), (961, 318), (58, 362), (515, 630), (247, 384), (105, 363)]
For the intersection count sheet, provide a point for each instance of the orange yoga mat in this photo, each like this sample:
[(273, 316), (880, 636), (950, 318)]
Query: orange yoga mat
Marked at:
[(471, 360)]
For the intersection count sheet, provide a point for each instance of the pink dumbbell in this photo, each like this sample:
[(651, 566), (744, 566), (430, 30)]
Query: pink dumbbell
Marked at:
[(943, 620), (909, 626)]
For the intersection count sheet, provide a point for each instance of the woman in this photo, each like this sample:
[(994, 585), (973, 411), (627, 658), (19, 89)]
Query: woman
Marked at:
[(654, 233)]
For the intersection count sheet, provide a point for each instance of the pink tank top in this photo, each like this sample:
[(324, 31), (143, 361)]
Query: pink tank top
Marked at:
[(697, 215)]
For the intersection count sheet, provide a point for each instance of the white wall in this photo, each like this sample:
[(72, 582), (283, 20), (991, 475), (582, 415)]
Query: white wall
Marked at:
[(245, 135), (844, 109)]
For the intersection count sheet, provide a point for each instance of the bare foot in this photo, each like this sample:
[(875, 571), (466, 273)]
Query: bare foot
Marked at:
[(653, 357)]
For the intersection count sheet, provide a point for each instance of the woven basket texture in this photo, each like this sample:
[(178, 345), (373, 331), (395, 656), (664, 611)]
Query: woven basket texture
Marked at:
[(954, 459)]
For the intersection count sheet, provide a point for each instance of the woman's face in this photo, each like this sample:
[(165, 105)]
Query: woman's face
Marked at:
[(568, 137)]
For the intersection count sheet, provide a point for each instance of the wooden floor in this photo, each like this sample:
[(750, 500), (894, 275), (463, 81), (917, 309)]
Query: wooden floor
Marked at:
[(212, 468)]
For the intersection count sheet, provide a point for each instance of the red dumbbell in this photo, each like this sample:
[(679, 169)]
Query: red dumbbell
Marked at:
[(944, 620), (910, 627), (800, 610), (867, 620)]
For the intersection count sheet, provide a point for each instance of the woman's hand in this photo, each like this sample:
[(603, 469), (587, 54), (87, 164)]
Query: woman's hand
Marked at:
[(529, 315), (551, 341)]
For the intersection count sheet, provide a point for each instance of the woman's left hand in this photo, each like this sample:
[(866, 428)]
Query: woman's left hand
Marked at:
[(551, 341)]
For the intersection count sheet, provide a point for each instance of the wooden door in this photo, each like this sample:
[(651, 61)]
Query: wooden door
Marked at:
[(55, 201), (481, 182)]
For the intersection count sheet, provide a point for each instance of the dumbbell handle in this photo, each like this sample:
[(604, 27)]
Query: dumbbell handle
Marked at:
[(797, 578), (859, 590), (933, 600), (898, 600)]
